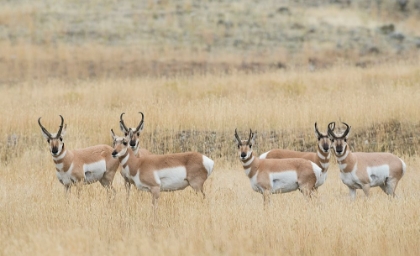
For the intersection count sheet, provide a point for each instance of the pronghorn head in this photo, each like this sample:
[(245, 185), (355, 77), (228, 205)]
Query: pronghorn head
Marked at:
[(56, 139), (245, 146), (339, 143), (324, 142), (120, 144), (135, 132)]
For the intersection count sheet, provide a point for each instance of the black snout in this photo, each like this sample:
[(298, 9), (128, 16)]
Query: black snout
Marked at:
[(54, 150), (243, 154), (132, 143), (339, 149), (325, 147), (114, 153)]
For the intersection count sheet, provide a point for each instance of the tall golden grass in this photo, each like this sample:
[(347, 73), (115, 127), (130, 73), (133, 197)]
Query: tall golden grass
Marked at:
[(200, 113)]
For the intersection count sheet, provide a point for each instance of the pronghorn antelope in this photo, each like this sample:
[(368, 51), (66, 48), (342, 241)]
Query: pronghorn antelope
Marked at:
[(269, 176), (134, 144), (320, 158), (365, 170), (88, 164), (156, 173), (135, 138)]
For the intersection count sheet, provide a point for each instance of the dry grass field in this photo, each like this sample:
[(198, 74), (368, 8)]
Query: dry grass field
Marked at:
[(198, 70), (200, 113)]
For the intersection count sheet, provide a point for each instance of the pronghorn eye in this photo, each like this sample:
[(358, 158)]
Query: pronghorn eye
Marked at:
[(138, 134), (250, 146), (239, 146), (48, 140), (345, 140), (126, 133), (125, 143), (61, 139)]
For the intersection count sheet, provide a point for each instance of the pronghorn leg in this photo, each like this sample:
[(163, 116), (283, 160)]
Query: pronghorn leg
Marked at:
[(266, 196), (155, 196), (366, 188), (127, 185), (352, 193), (198, 185), (107, 184), (389, 186)]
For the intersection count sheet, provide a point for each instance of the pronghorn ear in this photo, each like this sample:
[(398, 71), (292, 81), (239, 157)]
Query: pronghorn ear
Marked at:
[(63, 132), (252, 138), (45, 135)]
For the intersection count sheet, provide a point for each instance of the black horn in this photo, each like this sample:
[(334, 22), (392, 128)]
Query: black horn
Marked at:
[(61, 127), (141, 122), (43, 128), (237, 137), (122, 122)]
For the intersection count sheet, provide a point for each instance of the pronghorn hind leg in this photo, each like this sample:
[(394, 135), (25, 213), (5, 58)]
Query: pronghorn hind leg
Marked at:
[(389, 186), (366, 188), (198, 185), (107, 184)]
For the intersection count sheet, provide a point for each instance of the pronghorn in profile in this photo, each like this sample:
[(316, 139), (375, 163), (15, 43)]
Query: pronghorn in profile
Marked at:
[(89, 165), (270, 176), (365, 170), (320, 158), (156, 173), (135, 146), (135, 139)]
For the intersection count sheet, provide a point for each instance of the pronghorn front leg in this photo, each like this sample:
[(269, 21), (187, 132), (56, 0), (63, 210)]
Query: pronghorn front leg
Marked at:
[(127, 187), (155, 194), (352, 193)]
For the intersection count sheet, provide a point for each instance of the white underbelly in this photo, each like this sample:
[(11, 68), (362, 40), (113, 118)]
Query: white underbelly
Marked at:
[(94, 171), (171, 179), (378, 175), (283, 182)]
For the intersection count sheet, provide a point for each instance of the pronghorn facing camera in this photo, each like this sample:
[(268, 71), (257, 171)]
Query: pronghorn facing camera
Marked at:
[(365, 170), (89, 165), (156, 173), (270, 176), (320, 158), (134, 142), (135, 137)]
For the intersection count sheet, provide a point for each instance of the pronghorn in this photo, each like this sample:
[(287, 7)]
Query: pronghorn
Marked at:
[(365, 170), (135, 139), (269, 176), (156, 173), (88, 164), (320, 158), (134, 144)]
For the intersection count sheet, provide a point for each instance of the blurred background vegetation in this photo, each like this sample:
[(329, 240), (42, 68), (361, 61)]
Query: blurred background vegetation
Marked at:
[(109, 38)]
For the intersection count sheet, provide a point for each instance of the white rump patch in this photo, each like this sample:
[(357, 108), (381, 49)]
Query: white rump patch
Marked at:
[(404, 167), (208, 164), (283, 182), (94, 171), (171, 179), (378, 174), (264, 155)]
